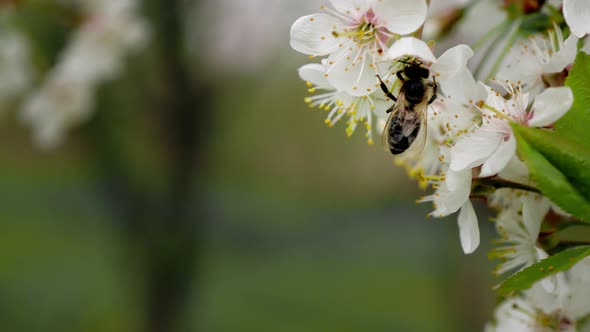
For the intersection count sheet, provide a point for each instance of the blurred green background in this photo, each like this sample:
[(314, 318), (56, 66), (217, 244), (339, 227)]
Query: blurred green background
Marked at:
[(254, 216)]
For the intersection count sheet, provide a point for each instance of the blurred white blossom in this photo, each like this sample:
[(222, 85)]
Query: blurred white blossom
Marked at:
[(237, 35), (94, 55), (15, 66)]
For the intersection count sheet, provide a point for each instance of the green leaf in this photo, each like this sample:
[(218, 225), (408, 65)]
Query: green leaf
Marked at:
[(574, 124), (571, 158), (535, 23), (551, 265), (558, 166)]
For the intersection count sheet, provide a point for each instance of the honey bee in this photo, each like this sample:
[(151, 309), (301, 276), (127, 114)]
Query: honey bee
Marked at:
[(407, 122)]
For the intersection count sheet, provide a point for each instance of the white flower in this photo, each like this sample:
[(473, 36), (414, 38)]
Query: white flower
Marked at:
[(354, 37), (516, 171), (96, 52), (537, 310), (577, 16), (493, 145), (539, 60), (358, 109), (449, 116), (94, 55), (518, 222), (15, 66), (452, 195), (452, 112), (60, 104), (450, 70)]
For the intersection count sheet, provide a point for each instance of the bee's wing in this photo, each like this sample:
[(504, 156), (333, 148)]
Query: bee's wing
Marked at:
[(401, 101), (420, 141)]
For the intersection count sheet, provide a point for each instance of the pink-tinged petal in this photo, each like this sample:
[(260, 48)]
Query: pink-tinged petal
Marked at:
[(356, 77), (410, 46), (315, 74), (401, 16), (474, 150), (577, 16), (468, 228), (312, 34), (351, 7), (499, 159), (551, 105), (564, 57)]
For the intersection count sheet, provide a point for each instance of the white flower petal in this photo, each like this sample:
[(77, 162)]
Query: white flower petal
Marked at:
[(564, 57), (312, 34), (534, 209), (579, 302), (401, 16), (453, 77), (516, 171), (474, 150), (551, 105), (468, 228), (499, 159), (356, 78), (512, 315), (350, 7), (525, 67), (577, 16), (452, 61), (454, 192), (458, 180), (545, 295), (410, 46), (315, 74), (586, 46)]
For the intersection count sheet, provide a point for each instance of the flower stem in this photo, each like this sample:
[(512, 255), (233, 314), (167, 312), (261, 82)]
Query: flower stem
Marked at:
[(498, 183)]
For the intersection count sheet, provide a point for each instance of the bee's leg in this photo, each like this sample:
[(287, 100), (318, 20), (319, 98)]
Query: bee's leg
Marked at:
[(386, 90), (400, 76), (435, 90)]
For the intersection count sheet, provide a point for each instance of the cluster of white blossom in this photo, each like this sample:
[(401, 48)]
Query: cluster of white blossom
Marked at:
[(469, 138), (65, 97)]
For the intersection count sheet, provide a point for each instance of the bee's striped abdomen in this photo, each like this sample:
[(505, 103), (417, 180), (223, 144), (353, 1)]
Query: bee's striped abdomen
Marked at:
[(399, 138)]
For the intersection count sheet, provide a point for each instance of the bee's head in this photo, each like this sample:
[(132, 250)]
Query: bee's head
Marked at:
[(415, 70)]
